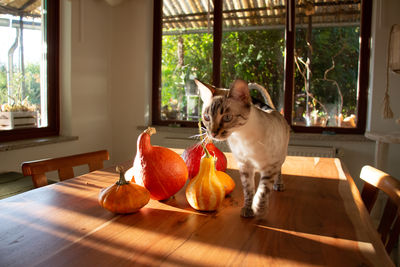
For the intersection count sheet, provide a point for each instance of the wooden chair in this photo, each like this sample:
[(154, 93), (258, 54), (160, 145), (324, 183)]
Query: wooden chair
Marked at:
[(389, 226), (38, 168)]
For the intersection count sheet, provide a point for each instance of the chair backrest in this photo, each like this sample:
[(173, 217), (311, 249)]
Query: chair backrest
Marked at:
[(389, 226), (64, 165)]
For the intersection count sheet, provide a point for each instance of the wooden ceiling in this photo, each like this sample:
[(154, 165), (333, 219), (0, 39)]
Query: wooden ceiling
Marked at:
[(196, 14), (26, 8)]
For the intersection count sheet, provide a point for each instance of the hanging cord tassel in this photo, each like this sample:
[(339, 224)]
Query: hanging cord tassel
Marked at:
[(387, 111)]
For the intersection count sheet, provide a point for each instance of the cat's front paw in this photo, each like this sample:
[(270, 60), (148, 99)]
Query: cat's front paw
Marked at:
[(279, 187), (246, 212), (260, 208)]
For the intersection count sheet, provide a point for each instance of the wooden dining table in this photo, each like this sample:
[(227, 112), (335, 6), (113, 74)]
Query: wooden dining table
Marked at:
[(319, 220)]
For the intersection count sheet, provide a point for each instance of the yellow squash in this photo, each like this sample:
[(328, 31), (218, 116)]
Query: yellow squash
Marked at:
[(205, 192)]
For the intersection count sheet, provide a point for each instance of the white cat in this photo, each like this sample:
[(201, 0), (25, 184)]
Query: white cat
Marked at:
[(257, 138)]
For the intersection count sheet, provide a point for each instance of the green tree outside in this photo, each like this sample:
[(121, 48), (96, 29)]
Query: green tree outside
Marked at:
[(258, 56), (32, 85)]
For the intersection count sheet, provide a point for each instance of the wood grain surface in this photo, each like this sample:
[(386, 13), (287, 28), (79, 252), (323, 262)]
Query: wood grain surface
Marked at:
[(318, 220)]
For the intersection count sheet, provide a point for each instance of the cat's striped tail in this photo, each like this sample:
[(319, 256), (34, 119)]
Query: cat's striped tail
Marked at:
[(263, 92)]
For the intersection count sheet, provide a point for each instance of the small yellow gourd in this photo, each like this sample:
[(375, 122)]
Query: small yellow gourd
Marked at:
[(205, 192), (123, 196)]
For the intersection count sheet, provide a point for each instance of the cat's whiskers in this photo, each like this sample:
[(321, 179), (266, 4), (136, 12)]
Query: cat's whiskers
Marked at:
[(208, 138), (198, 136)]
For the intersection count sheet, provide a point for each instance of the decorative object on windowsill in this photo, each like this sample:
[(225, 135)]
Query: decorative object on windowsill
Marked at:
[(18, 112), (18, 119), (392, 64), (18, 115)]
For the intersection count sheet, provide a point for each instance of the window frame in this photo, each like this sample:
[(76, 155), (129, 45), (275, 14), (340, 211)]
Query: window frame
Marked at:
[(363, 77), (53, 102)]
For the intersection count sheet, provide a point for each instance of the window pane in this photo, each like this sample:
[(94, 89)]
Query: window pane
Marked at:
[(187, 43), (22, 73), (326, 58), (253, 46), (325, 54)]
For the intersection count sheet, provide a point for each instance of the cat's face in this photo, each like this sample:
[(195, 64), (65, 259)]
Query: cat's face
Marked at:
[(224, 111)]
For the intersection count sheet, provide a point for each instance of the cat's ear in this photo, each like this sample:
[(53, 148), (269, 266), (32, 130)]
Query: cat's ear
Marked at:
[(206, 91), (240, 91)]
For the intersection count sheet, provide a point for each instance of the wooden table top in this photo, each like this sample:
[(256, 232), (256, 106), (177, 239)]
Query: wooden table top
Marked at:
[(318, 220)]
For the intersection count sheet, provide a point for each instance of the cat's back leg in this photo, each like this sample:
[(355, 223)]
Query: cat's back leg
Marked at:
[(278, 183)]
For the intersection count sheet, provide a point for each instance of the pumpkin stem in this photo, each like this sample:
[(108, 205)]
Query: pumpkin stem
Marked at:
[(150, 131), (208, 155), (121, 171)]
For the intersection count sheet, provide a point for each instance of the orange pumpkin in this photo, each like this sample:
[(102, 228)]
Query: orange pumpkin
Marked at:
[(205, 192), (123, 196), (159, 169), (227, 181)]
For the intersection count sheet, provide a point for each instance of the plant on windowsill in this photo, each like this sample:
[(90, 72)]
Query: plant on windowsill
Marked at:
[(18, 113)]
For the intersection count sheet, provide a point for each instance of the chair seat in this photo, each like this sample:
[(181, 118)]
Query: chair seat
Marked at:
[(13, 183)]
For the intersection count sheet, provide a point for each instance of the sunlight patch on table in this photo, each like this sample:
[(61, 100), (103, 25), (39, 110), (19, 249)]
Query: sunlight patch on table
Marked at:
[(165, 207), (339, 168), (328, 240)]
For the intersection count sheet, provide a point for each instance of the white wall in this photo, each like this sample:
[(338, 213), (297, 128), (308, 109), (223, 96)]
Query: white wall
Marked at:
[(84, 83), (130, 74), (106, 84), (384, 16)]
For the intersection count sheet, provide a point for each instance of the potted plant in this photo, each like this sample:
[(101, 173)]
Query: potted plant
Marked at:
[(18, 112)]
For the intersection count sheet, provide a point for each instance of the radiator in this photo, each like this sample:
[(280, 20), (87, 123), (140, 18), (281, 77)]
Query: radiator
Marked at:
[(312, 151)]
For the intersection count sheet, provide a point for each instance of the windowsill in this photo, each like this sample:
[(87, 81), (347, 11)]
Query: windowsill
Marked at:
[(188, 131), (329, 137), (13, 145)]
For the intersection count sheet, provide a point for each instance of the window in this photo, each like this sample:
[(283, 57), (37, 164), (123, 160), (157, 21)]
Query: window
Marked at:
[(312, 56), (29, 45)]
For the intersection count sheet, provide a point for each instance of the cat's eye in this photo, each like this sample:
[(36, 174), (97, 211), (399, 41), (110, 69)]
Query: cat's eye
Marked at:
[(227, 118), (206, 117)]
